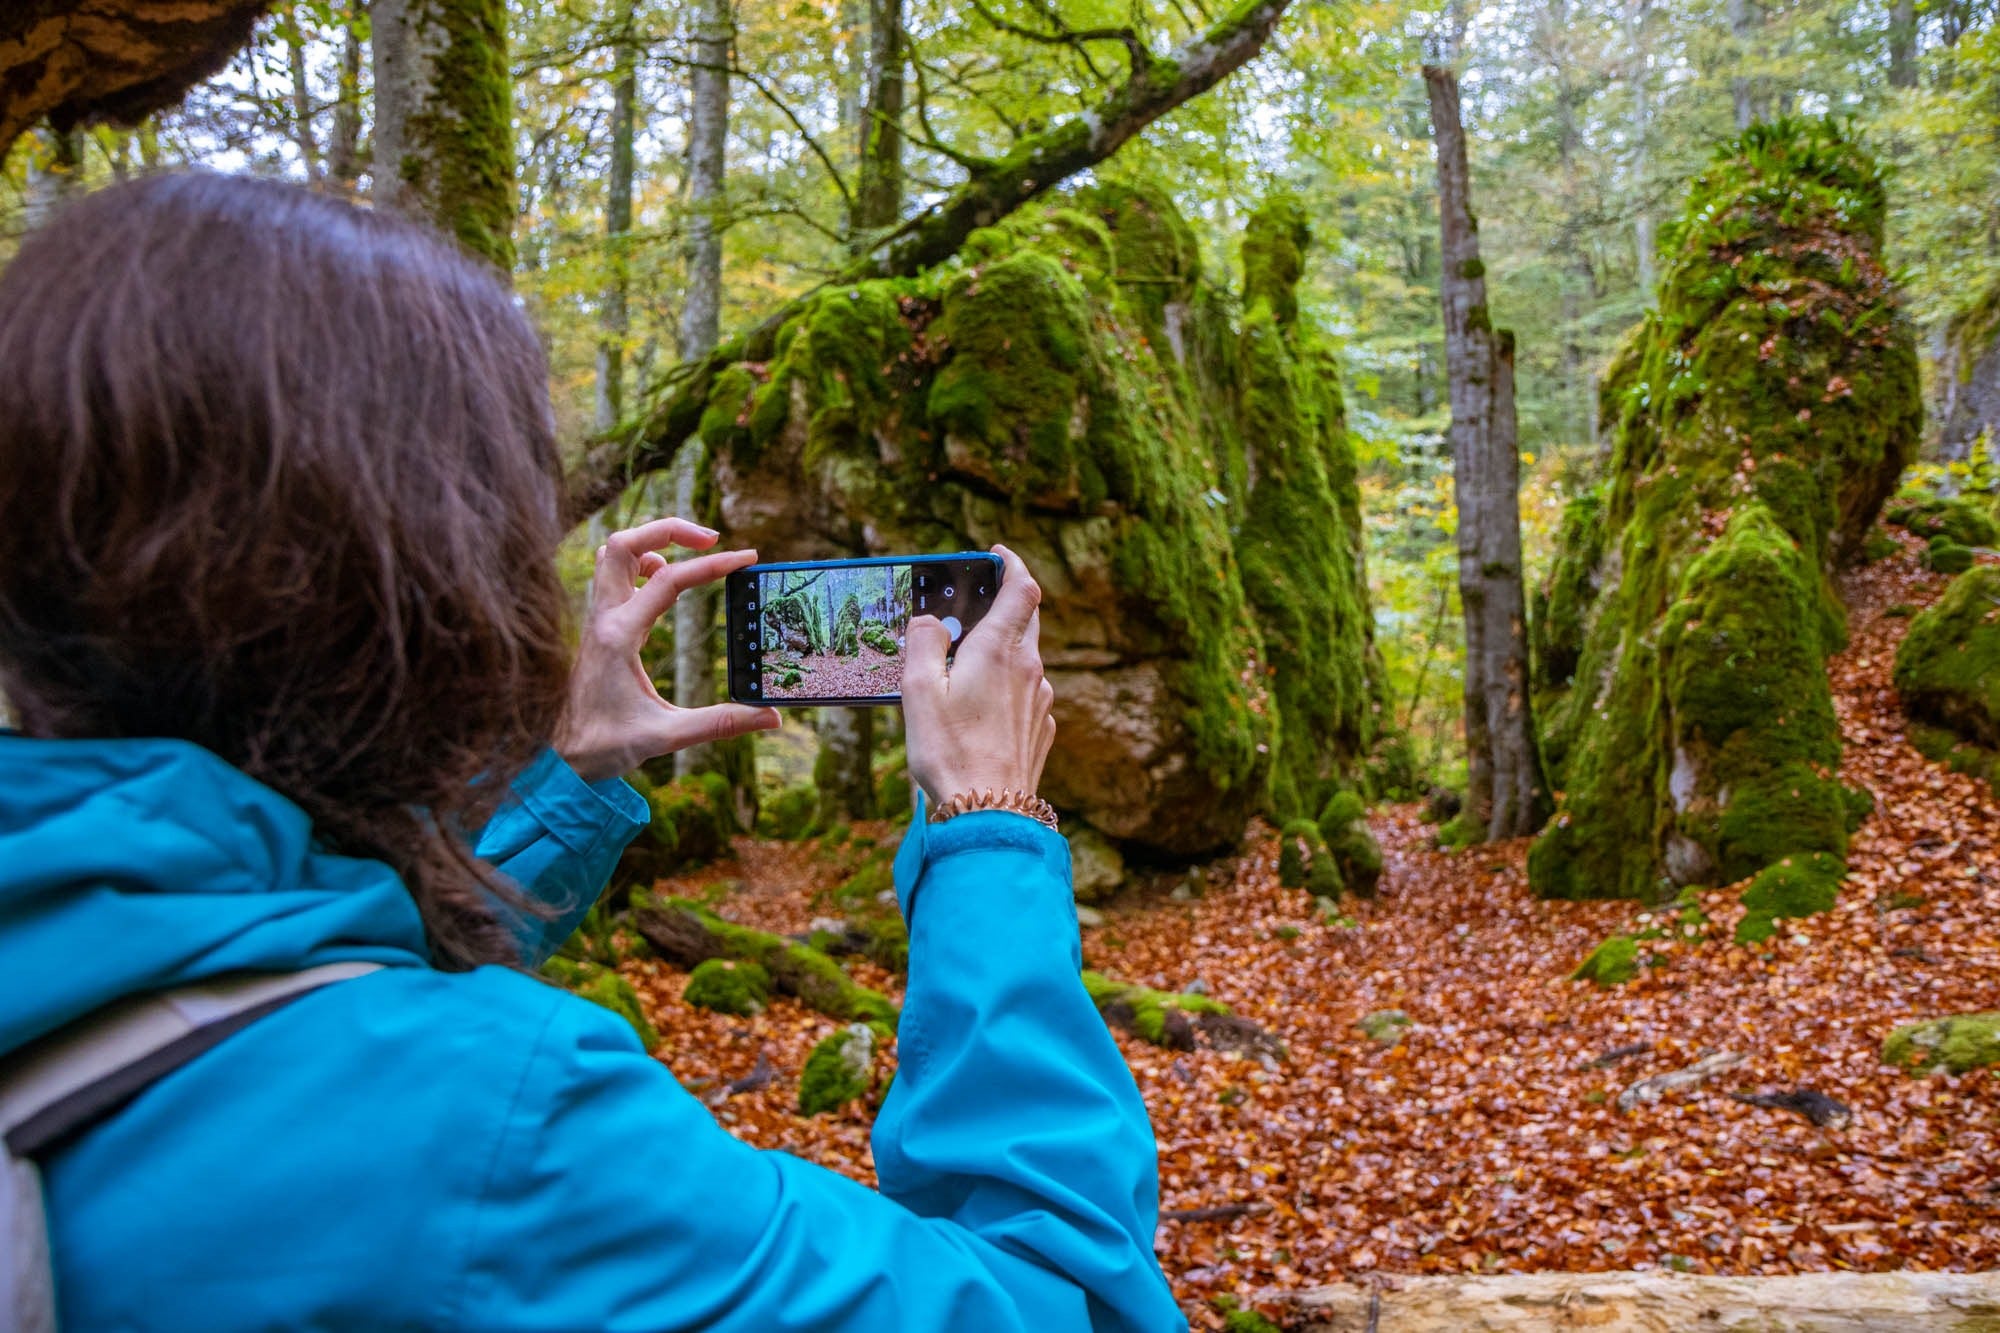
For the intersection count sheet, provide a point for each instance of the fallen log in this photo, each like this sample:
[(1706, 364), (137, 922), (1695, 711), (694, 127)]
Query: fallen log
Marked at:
[(1656, 1087), (1655, 1303)]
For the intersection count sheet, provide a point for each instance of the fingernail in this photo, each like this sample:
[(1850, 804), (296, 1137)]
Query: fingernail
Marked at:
[(704, 530)]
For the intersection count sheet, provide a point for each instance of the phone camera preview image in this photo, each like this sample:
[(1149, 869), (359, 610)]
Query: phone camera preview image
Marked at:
[(838, 631)]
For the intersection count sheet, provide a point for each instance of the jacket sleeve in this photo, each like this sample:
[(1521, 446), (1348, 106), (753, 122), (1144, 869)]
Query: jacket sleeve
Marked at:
[(1019, 1188), (558, 839)]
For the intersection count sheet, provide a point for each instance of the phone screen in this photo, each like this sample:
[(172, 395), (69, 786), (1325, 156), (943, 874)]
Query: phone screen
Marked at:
[(835, 631)]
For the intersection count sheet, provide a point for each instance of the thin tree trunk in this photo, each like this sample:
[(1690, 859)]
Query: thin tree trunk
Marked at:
[(53, 176), (444, 141), (1741, 90), (853, 70), (1903, 44), (1507, 793), (614, 318), (878, 198), (1642, 133), (844, 771), (302, 107), (343, 150)]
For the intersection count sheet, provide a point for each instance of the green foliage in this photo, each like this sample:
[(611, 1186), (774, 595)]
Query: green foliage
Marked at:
[(1955, 1045), (1772, 404), (729, 987), (1794, 887), (1612, 963), (788, 814)]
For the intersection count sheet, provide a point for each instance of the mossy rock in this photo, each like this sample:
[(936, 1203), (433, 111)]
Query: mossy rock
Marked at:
[(1386, 1026), (692, 821), (1962, 519), (1351, 844), (1689, 612), (729, 987), (1945, 556), (787, 815), (1879, 546), (1948, 666), (1299, 848), (1612, 963), (841, 1069), (1954, 1045), (1097, 867), (603, 987), (1798, 886), (1179, 475), (1159, 1017)]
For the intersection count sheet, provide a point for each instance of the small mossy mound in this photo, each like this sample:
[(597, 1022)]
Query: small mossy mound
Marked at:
[(729, 987), (1160, 1017), (1945, 556), (1954, 1045), (1948, 667), (1762, 414), (692, 821), (1612, 963), (1343, 822), (1797, 886), (840, 1070), (1386, 1026), (1879, 546), (1178, 475), (603, 987)]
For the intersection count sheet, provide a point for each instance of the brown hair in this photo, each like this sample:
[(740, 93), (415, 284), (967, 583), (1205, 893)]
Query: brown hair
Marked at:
[(278, 476)]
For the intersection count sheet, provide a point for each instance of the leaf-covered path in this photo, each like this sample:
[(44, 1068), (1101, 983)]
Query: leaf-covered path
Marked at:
[(1489, 1138)]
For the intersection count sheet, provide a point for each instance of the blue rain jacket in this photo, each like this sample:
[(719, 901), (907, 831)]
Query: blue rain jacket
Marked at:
[(420, 1149)]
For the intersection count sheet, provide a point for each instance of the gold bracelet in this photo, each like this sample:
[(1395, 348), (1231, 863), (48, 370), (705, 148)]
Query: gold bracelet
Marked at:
[(1014, 802)]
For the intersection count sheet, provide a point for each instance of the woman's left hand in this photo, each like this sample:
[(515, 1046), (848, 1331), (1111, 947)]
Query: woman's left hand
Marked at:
[(616, 720)]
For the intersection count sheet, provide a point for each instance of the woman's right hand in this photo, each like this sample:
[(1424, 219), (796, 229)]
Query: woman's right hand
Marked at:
[(983, 722)]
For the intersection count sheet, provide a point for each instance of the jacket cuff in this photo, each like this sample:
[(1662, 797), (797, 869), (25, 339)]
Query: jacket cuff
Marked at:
[(581, 815), (927, 844)]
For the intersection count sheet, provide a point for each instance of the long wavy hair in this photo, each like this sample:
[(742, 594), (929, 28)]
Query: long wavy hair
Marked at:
[(278, 476)]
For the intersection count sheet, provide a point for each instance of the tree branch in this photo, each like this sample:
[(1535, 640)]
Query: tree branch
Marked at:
[(1034, 165)]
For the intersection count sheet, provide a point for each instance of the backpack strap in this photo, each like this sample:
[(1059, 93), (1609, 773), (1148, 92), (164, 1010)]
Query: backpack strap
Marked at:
[(72, 1079)]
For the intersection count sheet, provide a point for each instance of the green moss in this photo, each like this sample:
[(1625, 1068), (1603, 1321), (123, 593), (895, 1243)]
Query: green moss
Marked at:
[(1965, 520), (603, 987), (1945, 556), (1247, 1321), (1956, 1045), (692, 821), (1386, 1026), (1299, 847), (1948, 666), (1612, 963), (458, 157), (840, 1070), (1351, 847), (1274, 244), (1879, 546), (1794, 887), (729, 987), (1763, 413), (1150, 1011), (1860, 803), (788, 814)]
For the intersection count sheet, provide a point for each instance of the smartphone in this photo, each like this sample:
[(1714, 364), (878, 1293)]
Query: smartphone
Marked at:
[(832, 631)]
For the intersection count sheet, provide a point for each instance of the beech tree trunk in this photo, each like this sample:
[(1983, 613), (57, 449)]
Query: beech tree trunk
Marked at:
[(845, 770), (878, 197), (614, 319), (1506, 794), (343, 149), (1742, 89), (1655, 1302), (1903, 43), (1642, 131), (302, 108), (444, 141)]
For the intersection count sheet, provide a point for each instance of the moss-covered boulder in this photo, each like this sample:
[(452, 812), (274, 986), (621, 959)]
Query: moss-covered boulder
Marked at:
[(1762, 414), (1385, 1026), (603, 987), (1163, 1018), (729, 987), (1966, 520), (693, 819), (787, 814), (840, 1070), (1948, 667), (1343, 822), (1945, 556), (1179, 478), (1612, 963), (1954, 1045)]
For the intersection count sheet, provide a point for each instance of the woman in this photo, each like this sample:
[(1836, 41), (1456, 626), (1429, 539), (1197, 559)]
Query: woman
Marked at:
[(280, 623)]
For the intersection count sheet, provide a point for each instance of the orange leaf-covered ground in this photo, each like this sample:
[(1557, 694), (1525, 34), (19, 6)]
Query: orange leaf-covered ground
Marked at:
[(1487, 1140)]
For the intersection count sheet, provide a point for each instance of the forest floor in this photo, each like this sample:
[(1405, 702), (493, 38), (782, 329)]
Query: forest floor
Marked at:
[(831, 676), (1487, 1139)]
